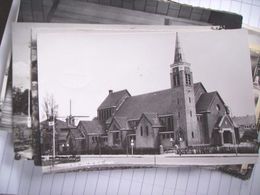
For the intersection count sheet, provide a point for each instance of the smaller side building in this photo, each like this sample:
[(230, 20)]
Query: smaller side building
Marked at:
[(87, 138)]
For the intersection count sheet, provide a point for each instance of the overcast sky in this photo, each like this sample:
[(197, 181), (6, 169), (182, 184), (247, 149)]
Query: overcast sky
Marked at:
[(83, 66)]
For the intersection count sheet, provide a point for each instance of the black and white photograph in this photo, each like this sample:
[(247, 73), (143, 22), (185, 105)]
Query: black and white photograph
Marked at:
[(21, 96), (144, 98)]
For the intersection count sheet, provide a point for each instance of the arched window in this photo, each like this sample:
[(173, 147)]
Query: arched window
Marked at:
[(176, 80), (147, 130), (141, 131), (218, 107), (187, 79)]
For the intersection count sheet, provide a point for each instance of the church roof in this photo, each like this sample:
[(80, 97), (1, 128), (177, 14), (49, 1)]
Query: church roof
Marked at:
[(76, 133), (122, 122), (159, 102), (156, 102), (93, 126), (196, 86), (113, 99), (205, 101), (153, 119)]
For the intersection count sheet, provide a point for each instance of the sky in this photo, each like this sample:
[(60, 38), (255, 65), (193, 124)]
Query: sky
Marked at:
[(83, 66)]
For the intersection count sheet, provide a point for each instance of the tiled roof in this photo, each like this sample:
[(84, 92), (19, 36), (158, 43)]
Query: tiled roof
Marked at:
[(159, 102), (153, 119), (113, 99), (156, 102), (93, 126), (76, 133), (221, 119), (244, 120), (122, 122), (197, 90), (198, 85), (205, 101)]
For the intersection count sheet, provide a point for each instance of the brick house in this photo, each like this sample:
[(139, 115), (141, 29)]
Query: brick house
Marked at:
[(88, 137)]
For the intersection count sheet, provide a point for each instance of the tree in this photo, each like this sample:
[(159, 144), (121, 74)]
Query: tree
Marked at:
[(50, 107), (249, 135), (20, 101)]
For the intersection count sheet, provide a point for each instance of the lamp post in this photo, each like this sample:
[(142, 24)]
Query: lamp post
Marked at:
[(132, 146), (180, 140), (65, 147), (171, 140)]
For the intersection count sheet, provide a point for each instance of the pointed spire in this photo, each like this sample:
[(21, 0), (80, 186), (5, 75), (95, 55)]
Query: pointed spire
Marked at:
[(178, 54)]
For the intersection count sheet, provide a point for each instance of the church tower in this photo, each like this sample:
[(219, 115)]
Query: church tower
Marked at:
[(183, 99)]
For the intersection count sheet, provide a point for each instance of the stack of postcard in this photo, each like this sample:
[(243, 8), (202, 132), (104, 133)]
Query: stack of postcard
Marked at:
[(89, 97)]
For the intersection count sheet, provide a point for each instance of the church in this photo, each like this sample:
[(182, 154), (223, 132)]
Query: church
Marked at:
[(185, 115)]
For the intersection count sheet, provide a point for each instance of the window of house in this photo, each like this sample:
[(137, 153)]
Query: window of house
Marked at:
[(133, 124), (190, 113), (218, 107), (117, 135), (169, 123), (147, 130), (93, 139), (179, 115), (188, 79), (141, 131), (178, 101), (189, 99), (176, 80), (192, 134)]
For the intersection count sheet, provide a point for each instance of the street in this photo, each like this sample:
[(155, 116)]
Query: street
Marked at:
[(96, 161)]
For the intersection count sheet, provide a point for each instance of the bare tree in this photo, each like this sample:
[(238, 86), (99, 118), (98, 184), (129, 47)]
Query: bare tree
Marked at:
[(50, 107)]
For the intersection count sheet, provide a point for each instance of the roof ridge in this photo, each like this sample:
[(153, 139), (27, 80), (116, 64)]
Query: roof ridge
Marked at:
[(150, 113), (158, 91), (151, 92), (118, 91)]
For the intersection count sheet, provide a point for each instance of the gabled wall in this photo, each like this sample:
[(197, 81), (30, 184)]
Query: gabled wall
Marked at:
[(214, 115), (146, 141)]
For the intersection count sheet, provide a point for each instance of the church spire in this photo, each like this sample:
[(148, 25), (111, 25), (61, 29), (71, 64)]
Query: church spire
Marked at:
[(178, 54)]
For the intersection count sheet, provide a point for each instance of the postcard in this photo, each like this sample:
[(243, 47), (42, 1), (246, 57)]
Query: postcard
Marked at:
[(110, 102)]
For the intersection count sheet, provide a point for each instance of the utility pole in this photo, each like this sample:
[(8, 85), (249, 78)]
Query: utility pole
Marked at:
[(53, 142), (52, 123)]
